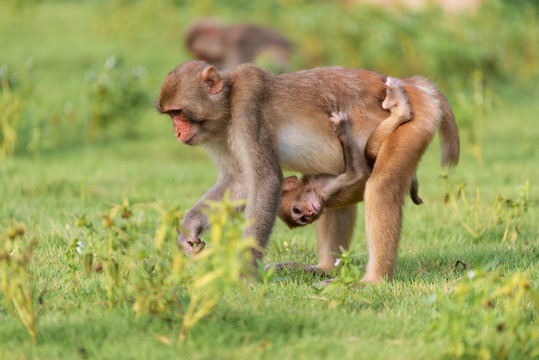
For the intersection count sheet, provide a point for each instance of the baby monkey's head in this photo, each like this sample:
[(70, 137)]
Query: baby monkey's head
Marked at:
[(300, 204)]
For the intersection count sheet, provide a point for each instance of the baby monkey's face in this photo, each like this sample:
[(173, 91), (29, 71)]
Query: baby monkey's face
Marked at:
[(301, 204), (306, 207)]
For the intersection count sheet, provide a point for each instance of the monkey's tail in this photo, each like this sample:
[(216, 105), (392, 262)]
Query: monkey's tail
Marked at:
[(449, 134), (445, 121), (414, 191)]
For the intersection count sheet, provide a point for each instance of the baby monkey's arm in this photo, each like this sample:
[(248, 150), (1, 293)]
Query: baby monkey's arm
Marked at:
[(346, 188)]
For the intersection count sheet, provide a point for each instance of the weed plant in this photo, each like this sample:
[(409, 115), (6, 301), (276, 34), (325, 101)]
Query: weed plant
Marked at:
[(15, 282), (156, 277), (115, 94), (346, 283), (489, 315), (478, 218), (16, 88)]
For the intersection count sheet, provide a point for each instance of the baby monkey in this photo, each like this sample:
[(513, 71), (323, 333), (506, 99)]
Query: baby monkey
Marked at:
[(303, 201)]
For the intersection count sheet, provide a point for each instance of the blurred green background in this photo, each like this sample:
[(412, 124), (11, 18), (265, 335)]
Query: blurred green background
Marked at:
[(78, 131), (79, 68)]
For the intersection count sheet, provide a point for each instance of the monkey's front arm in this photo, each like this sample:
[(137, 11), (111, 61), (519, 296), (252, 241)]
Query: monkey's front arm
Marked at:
[(262, 174), (195, 221)]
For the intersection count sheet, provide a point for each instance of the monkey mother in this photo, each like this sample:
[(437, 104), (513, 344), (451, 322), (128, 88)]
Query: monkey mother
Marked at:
[(253, 123)]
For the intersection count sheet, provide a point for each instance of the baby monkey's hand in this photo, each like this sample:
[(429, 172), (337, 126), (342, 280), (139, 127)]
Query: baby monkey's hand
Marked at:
[(339, 122)]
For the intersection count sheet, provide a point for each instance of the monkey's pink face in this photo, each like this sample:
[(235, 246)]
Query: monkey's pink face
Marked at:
[(186, 131), (195, 104)]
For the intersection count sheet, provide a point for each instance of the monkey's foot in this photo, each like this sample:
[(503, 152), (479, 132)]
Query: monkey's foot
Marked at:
[(394, 94), (281, 266), (313, 270), (372, 279)]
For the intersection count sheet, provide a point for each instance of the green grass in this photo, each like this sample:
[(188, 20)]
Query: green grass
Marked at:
[(293, 320)]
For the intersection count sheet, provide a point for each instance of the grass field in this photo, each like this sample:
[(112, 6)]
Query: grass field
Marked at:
[(59, 174)]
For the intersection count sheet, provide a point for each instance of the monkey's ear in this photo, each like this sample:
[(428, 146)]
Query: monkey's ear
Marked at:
[(290, 183), (212, 80)]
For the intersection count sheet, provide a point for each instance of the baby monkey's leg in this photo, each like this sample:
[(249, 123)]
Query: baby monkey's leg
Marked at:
[(396, 102)]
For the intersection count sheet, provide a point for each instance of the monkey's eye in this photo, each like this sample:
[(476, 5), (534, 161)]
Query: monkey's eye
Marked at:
[(177, 112), (296, 210), (303, 220)]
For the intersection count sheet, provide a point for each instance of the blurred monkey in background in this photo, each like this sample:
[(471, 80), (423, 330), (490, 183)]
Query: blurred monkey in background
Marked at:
[(226, 47)]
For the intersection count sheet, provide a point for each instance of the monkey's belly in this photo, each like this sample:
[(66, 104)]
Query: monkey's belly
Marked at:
[(309, 153)]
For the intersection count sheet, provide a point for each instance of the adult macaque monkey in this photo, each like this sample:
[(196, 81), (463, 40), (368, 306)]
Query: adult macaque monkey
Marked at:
[(303, 201), (253, 123), (226, 47)]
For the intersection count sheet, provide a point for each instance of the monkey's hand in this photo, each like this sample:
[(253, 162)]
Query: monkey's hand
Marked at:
[(339, 123), (190, 244)]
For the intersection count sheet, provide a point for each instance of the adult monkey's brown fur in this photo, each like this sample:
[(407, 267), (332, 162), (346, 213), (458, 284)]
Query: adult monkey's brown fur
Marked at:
[(302, 202), (253, 123), (227, 46)]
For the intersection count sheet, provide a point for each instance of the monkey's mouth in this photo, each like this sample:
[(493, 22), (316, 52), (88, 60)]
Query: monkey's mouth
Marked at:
[(191, 140)]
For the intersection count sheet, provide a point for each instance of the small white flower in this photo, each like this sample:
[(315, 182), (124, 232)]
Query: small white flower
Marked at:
[(110, 63), (471, 274), (432, 298), (140, 71), (80, 247), (337, 262)]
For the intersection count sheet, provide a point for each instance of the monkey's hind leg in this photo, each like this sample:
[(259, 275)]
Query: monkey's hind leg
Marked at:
[(334, 229), (384, 196)]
